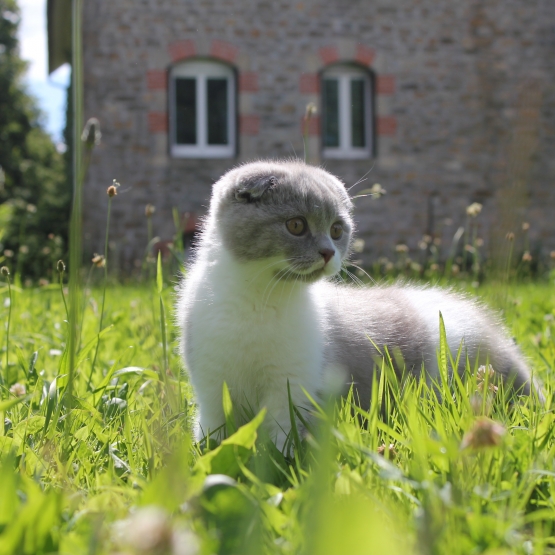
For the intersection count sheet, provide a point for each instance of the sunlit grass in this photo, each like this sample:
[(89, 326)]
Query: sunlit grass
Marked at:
[(406, 476)]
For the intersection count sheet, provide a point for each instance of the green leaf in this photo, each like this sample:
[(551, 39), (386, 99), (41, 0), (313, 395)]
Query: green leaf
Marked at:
[(7, 405), (82, 355), (9, 501), (230, 424), (136, 370), (294, 429), (51, 403), (159, 277), (443, 350), (223, 459)]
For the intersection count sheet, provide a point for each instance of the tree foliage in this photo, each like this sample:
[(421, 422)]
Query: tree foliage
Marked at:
[(34, 189)]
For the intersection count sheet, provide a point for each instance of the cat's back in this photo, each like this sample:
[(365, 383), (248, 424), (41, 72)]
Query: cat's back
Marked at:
[(361, 323), (406, 319)]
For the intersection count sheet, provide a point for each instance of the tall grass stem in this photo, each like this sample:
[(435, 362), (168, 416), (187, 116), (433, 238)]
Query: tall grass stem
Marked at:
[(103, 290), (4, 379), (75, 247)]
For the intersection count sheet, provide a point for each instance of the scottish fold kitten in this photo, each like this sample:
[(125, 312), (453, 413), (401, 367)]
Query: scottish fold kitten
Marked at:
[(257, 308)]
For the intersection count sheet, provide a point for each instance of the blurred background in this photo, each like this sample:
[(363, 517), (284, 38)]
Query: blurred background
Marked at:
[(440, 116)]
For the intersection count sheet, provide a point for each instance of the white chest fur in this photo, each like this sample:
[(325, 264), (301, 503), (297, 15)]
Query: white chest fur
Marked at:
[(244, 327)]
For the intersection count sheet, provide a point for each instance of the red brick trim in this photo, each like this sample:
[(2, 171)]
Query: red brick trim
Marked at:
[(182, 49), (385, 84), (313, 126), (157, 79), (158, 122), (365, 55), (309, 83), (248, 81), (386, 126), (223, 50), (249, 124), (329, 54)]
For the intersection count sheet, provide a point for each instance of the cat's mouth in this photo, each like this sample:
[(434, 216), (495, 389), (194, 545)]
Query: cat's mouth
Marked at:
[(309, 277), (303, 277)]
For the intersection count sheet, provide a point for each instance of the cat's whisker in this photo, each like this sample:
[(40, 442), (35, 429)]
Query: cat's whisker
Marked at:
[(275, 276), (268, 266), (356, 280), (281, 274), (363, 178), (290, 270), (291, 291), (364, 272)]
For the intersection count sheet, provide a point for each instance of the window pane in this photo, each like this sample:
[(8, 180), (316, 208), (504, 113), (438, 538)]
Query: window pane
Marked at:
[(217, 111), (358, 117), (331, 112), (185, 111)]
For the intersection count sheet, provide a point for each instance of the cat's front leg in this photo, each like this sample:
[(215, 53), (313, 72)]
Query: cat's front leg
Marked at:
[(211, 418), (278, 418)]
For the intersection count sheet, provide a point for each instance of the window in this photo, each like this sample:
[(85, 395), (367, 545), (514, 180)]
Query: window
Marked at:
[(202, 110), (346, 113)]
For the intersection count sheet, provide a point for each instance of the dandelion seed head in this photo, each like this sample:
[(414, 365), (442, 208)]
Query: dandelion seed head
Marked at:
[(146, 530), (310, 111), (91, 133), (485, 433), (390, 450), (474, 209), (377, 190), (18, 389), (98, 260), (483, 375)]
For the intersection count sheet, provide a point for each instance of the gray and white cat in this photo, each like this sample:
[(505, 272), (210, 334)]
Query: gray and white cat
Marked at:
[(257, 308)]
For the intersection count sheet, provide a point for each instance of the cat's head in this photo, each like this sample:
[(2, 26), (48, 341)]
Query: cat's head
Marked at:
[(294, 213)]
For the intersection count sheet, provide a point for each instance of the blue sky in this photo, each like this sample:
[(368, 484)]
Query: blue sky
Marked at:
[(50, 91)]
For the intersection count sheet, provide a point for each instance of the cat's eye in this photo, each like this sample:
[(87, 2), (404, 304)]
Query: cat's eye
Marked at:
[(296, 226), (336, 231)]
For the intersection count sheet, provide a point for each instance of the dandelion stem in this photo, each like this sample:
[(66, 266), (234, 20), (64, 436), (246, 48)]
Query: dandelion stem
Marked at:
[(76, 212), (103, 290), (4, 379), (61, 269)]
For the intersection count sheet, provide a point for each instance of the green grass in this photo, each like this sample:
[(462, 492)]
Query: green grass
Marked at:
[(86, 476)]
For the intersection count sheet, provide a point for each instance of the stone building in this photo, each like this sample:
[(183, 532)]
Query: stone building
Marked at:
[(442, 103)]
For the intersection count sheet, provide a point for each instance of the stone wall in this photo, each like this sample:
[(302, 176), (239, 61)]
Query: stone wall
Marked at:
[(464, 107)]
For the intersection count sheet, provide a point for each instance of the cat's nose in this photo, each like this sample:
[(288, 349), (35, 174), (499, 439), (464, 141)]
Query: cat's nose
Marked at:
[(327, 254)]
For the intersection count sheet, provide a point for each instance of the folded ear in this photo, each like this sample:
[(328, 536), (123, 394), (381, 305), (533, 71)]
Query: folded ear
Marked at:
[(252, 189)]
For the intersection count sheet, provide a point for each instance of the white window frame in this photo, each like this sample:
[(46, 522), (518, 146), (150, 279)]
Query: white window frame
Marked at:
[(201, 71), (344, 73)]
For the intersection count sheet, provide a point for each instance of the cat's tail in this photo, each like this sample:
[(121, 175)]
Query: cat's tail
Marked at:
[(516, 373)]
